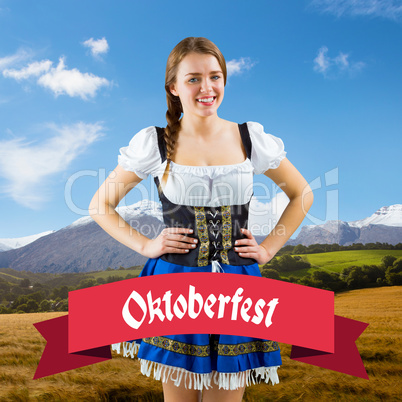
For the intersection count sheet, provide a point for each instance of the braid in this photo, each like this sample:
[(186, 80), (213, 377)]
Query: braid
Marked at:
[(175, 108), (171, 130)]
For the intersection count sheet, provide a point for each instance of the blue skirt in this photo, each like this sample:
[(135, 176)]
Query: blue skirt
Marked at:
[(198, 359)]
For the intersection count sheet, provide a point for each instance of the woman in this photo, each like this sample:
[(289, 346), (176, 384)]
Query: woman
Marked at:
[(203, 167)]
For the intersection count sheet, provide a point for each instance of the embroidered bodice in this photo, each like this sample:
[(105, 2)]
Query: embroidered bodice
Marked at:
[(212, 200)]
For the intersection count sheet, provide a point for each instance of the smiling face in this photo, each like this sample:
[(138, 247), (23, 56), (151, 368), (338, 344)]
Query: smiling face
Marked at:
[(199, 84)]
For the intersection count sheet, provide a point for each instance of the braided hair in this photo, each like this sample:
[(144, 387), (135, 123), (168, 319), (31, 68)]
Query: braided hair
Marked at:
[(175, 109)]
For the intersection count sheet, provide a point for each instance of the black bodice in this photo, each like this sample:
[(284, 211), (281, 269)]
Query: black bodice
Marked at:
[(216, 228)]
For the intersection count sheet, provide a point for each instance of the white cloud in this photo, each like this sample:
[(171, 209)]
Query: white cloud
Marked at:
[(391, 9), (71, 82), (33, 69), (335, 67), (26, 166), (59, 80), (97, 47), (17, 57), (322, 61), (238, 66), (263, 217)]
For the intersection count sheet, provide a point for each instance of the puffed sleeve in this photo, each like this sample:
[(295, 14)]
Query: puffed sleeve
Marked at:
[(141, 155), (267, 150)]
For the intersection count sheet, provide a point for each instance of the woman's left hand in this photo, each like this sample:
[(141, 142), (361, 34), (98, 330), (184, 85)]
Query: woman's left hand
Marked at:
[(249, 248)]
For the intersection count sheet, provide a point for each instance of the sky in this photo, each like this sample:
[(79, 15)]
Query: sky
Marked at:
[(79, 79)]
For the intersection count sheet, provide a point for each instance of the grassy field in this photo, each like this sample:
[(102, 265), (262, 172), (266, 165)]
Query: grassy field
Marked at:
[(115, 272), (120, 380), (336, 261)]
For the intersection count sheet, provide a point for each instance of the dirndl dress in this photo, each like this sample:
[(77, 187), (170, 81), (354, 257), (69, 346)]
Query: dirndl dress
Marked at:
[(199, 359)]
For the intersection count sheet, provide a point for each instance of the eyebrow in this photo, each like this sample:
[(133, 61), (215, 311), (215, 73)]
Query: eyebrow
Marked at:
[(212, 72)]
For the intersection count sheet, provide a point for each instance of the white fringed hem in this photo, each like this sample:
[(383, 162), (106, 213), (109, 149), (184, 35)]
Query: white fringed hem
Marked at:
[(197, 381)]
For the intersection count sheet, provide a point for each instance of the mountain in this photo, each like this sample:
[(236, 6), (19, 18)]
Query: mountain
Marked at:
[(389, 216), (384, 226), (9, 244), (84, 246)]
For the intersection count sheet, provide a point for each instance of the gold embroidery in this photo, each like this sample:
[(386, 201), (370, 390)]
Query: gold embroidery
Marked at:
[(178, 347), (244, 348), (202, 230), (226, 232), (204, 350)]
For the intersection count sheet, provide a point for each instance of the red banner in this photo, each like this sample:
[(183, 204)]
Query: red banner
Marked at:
[(204, 303)]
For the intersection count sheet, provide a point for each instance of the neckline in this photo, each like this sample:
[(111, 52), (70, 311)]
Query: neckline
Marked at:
[(218, 166), (210, 166)]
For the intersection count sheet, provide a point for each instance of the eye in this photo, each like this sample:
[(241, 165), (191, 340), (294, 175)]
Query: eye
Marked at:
[(192, 79), (216, 77)]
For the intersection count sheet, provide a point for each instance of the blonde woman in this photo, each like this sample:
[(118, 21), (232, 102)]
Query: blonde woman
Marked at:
[(203, 167)]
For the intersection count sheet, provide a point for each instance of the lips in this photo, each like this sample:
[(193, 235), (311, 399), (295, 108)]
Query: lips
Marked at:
[(206, 100)]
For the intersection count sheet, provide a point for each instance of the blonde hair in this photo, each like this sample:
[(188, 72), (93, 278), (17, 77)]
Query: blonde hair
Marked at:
[(173, 114)]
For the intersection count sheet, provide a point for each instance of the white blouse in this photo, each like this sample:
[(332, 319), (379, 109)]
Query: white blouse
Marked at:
[(211, 186)]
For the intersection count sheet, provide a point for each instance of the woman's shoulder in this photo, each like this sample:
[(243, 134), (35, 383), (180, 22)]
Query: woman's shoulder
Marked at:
[(145, 134), (268, 150), (141, 155)]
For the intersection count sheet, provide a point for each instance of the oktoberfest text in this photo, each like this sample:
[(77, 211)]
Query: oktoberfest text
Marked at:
[(194, 304)]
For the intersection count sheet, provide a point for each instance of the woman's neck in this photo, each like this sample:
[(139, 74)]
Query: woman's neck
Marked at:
[(200, 126)]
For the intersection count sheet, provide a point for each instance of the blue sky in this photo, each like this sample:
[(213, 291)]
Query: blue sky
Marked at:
[(79, 79)]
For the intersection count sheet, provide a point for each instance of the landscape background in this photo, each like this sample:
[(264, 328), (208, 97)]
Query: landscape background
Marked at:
[(79, 79), (120, 379)]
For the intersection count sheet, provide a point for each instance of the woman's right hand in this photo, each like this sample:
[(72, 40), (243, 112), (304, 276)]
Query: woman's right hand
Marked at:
[(170, 240)]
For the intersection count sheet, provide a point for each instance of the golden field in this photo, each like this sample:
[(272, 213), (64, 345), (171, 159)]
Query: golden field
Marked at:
[(120, 380)]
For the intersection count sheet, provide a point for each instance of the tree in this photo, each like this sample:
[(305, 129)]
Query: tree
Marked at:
[(37, 296), (356, 279), (22, 308), (45, 306), (388, 260), (394, 279), (32, 306), (113, 278), (299, 249), (393, 274), (287, 263), (397, 265), (270, 273), (20, 300), (305, 280), (373, 272), (25, 283), (86, 283), (61, 292), (4, 310), (62, 306)]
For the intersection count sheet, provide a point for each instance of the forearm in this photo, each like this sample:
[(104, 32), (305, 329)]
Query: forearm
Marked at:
[(290, 220), (111, 222)]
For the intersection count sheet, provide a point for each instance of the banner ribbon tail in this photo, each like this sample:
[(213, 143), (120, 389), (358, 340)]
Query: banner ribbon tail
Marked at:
[(55, 357), (346, 358)]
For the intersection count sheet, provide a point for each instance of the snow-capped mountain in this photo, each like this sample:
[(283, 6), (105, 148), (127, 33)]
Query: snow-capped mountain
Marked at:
[(9, 244), (146, 207), (141, 208), (384, 226), (84, 246), (390, 216)]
